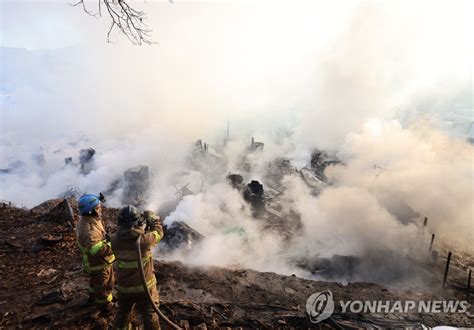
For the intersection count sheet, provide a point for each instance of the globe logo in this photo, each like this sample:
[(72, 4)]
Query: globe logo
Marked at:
[(320, 306)]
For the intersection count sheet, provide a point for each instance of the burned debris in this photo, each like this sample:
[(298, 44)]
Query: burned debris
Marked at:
[(320, 160), (61, 213), (86, 160), (277, 170), (179, 236), (51, 239), (201, 147), (205, 159), (62, 284), (136, 185), (183, 191), (235, 180), (312, 180), (254, 194)]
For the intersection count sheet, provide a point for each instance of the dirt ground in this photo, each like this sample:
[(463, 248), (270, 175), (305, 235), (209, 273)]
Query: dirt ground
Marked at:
[(43, 286)]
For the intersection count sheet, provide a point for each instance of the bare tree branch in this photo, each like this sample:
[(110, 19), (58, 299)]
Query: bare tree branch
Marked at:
[(124, 18), (81, 2)]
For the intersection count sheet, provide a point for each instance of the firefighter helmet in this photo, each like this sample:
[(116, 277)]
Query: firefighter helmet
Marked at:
[(87, 203), (130, 216)]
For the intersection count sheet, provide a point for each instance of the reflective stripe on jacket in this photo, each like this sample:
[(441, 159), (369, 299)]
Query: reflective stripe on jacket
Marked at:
[(96, 252), (124, 247)]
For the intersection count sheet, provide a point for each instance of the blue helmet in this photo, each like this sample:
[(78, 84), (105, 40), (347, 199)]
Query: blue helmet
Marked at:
[(87, 203)]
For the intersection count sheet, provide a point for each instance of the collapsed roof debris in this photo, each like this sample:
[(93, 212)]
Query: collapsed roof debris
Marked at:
[(136, 185), (277, 170), (183, 191), (320, 160), (86, 160), (312, 180), (235, 180), (61, 213), (254, 194), (205, 159), (179, 235)]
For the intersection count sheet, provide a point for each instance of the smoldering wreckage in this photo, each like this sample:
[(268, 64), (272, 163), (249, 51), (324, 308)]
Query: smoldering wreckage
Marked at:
[(43, 283)]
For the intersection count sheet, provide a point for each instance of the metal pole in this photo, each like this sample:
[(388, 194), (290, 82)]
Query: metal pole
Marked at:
[(446, 270), (432, 240)]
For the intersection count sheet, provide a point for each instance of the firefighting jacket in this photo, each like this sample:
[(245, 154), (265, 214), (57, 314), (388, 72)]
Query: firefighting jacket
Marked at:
[(95, 250), (124, 247)]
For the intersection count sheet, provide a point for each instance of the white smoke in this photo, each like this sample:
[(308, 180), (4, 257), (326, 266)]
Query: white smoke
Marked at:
[(354, 80)]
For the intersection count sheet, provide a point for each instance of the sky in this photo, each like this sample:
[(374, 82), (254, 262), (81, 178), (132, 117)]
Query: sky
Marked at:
[(241, 58)]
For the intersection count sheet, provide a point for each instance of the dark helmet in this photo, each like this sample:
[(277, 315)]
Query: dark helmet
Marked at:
[(130, 216)]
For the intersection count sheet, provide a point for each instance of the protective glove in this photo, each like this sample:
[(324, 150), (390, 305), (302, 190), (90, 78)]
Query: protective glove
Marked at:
[(152, 220)]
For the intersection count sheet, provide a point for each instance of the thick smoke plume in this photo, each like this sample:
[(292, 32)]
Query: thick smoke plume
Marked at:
[(385, 90)]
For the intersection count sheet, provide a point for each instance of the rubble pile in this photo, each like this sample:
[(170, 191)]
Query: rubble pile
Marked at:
[(86, 160), (43, 285), (179, 235), (320, 160), (137, 185), (254, 194), (235, 180), (205, 159)]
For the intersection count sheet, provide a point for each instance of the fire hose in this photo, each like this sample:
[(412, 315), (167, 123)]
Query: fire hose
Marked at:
[(147, 291)]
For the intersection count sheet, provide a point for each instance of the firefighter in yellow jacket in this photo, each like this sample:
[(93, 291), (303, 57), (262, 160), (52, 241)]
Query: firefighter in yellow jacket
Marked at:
[(97, 255), (131, 225)]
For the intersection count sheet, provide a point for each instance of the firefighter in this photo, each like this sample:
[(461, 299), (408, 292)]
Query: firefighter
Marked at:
[(96, 251), (132, 224)]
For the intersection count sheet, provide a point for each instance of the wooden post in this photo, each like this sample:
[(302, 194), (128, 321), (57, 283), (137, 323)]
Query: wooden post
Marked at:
[(468, 285), (425, 222), (71, 214), (447, 269), (432, 240)]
